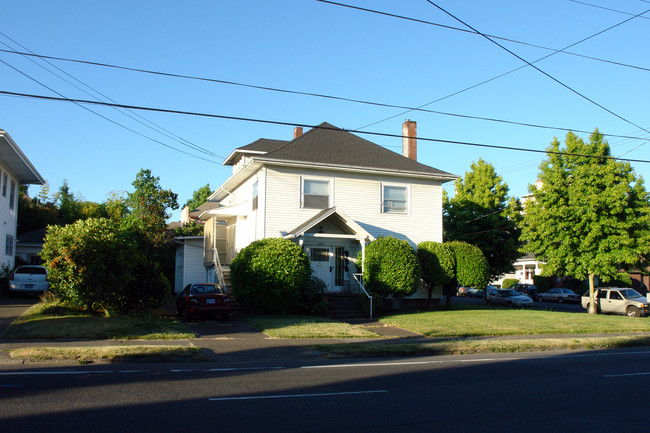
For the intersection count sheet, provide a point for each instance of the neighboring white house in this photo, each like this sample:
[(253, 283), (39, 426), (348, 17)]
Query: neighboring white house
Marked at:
[(328, 190), (189, 261), (15, 169)]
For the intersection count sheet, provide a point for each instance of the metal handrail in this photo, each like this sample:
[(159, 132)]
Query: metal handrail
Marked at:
[(217, 264), (359, 278)]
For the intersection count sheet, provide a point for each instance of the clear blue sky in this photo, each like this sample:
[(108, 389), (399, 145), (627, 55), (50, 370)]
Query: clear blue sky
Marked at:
[(309, 46)]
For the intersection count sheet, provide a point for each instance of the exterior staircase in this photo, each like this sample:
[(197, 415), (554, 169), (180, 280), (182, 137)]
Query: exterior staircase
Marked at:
[(344, 307)]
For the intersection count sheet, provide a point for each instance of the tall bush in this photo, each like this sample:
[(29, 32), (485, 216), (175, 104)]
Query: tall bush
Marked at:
[(438, 264), (472, 268), (96, 265), (391, 267), (270, 276)]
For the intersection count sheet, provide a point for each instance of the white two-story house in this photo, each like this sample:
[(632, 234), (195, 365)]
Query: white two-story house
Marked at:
[(330, 191), (15, 169)]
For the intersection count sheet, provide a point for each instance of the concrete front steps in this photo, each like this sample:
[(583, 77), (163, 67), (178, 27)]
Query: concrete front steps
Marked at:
[(344, 307)]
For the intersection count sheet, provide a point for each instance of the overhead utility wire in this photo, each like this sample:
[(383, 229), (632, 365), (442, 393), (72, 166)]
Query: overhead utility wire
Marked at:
[(543, 72), (505, 73), (607, 9), (514, 41), (145, 122), (332, 97), (80, 104), (304, 125)]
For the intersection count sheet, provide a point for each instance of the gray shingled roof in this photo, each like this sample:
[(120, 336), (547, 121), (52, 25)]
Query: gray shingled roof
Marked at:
[(329, 145), (262, 145)]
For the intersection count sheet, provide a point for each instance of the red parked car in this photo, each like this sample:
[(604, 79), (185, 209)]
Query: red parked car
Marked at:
[(203, 299)]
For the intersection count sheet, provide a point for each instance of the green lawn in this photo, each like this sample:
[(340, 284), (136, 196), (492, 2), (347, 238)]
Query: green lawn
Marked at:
[(51, 320), (306, 327), (489, 321)]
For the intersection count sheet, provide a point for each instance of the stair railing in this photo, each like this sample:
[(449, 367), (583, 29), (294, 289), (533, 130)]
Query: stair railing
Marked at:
[(359, 278)]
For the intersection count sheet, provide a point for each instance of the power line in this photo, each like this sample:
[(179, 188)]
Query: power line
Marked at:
[(149, 124), (304, 125), (543, 72), (80, 103), (332, 97), (501, 38), (607, 9)]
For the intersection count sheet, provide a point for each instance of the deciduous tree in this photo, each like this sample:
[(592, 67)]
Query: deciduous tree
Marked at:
[(591, 214), (481, 213)]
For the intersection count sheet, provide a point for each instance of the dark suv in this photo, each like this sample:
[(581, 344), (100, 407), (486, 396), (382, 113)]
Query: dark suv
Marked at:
[(527, 289)]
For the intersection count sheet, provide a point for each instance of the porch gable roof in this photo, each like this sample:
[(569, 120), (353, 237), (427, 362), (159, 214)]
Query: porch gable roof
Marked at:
[(352, 227)]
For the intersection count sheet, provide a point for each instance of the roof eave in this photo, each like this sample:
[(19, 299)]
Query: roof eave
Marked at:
[(444, 177), (17, 162)]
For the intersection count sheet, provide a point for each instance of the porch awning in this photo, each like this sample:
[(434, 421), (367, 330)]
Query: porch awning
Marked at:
[(351, 230), (240, 209)]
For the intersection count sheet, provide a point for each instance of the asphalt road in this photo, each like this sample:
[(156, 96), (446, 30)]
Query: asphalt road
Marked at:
[(597, 391), (11, 308)]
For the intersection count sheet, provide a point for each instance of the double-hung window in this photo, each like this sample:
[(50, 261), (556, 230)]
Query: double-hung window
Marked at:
[(9, 245), (395, 199), (315, 194), (4, 184)]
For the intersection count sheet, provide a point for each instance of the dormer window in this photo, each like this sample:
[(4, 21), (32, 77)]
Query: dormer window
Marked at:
[(315, 194)]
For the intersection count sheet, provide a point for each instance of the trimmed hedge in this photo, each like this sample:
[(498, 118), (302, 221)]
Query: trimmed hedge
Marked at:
[(472, 268), (509, 282), (391, 267), (270, 276)]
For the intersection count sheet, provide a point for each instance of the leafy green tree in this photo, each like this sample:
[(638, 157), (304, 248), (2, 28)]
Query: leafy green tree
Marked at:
[(481, 213), (199, 197), (391, 267), (149, 203), (271, 276), (191, 228), (69, 206), (591, 214), (437, 264)]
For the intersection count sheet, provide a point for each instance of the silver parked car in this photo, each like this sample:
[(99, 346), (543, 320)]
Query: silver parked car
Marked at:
[(559, 295), (617, 300), (28, 279), (508, 297)]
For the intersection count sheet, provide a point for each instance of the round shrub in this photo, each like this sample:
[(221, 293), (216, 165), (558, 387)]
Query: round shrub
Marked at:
[(391, 267), (270, 275), (472, 268), (508, 282)]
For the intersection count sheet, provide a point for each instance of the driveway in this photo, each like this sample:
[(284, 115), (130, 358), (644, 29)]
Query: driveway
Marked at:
[(11, 308)]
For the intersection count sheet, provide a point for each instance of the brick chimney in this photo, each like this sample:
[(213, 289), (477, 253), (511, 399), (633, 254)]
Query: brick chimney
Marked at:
[(409, 140), (297, 132)]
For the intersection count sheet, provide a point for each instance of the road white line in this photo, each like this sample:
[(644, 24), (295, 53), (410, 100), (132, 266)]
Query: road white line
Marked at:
[(46, 373), (626, 374), (325, 394)]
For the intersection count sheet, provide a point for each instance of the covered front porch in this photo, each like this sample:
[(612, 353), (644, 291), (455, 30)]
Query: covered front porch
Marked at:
[(334, 243)]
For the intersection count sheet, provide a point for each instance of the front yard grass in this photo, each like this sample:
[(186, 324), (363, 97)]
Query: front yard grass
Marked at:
[(306, 327), (479, 321), (51, 320), (85, 355)]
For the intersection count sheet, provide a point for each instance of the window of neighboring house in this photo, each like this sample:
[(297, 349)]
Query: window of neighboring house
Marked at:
[(316, 194), (4, 184), (12, 195), (395, 199), (9, 245), (255, 196)]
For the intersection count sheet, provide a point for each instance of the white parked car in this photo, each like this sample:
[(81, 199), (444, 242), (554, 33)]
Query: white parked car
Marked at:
[(28, 279), (508, 297), (617, 300)]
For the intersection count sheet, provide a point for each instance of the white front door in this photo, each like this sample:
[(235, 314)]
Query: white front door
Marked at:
[(322, 263)]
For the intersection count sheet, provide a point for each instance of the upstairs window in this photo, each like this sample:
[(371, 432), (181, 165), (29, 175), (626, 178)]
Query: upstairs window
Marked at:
[(255, 195), (12, 195), (4, 184), (316, 194), (395, 199)]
